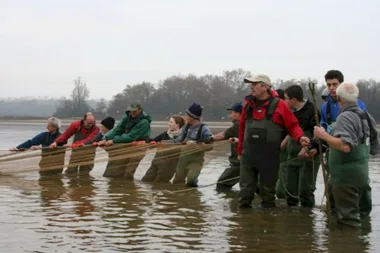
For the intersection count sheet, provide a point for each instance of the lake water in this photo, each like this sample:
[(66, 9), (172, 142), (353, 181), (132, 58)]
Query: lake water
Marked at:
[(97, 214)]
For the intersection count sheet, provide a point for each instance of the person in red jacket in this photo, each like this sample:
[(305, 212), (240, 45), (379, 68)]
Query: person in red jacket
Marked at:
[(83, 131), (264, 123)]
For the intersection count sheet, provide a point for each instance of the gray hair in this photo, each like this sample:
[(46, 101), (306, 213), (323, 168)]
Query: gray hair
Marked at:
[(55, 122), (348, 92)]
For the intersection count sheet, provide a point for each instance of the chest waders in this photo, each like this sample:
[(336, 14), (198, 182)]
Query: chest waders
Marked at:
[(261, 156), (350, 181), (191, 160), (301, 175), (50, 159), (81, 155), (232, 171), (119, 166)]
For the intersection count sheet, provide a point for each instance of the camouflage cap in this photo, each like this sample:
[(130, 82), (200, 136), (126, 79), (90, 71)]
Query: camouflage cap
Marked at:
[(134, 106)]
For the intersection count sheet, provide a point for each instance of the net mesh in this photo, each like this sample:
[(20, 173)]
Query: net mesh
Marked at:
[(52, 159)]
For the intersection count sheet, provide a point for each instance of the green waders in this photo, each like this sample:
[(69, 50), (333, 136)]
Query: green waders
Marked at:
[(81, 155), (189, 165), (281, 183), (163, 166), (349, 178), (301, 176), (261, 156), (232, 171)]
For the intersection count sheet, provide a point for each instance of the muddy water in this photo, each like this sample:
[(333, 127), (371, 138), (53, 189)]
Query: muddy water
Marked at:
[(96, 214)]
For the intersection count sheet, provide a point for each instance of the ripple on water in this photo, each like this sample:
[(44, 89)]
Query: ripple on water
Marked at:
[(95, 214)]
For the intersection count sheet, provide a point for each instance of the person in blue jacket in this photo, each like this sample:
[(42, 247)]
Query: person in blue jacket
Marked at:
[(330, 109), (51, 161), (329, 113)]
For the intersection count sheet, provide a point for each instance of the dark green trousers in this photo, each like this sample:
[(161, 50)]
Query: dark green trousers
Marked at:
[(249, 177), (352, 203), (189, 168), (301, 176), (232, 171)]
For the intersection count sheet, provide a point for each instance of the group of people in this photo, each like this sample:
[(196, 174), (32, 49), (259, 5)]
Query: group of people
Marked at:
[(274, 146)]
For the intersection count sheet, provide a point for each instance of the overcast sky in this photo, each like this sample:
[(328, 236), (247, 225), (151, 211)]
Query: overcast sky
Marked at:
[(44, 45)]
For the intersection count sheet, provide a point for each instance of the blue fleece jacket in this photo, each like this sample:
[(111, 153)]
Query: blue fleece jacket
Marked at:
[(44, 139), (335, 109)]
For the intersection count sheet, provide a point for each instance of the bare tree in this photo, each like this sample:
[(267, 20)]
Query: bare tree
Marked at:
[(79, 96)]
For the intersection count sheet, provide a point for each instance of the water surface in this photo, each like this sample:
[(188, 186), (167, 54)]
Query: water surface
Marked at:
[(96, 214)]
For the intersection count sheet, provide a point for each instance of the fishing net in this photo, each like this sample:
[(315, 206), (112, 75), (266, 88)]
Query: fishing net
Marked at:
[(46, 160)]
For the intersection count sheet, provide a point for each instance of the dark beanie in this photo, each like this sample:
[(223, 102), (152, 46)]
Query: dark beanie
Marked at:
[(195, 111), (108, 123)]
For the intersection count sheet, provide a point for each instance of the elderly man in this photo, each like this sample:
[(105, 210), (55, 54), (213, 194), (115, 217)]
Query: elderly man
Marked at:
[(51, 162), (83, 131), (264, 123), (330, 111), (350, 147), (134, 126)]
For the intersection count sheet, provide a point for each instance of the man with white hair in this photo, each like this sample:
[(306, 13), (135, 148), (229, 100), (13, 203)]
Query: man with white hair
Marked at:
[(350, 147), (42, 141), (265, 121)]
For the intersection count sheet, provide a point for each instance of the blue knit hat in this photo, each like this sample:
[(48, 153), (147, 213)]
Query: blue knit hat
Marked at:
[(195, 111)]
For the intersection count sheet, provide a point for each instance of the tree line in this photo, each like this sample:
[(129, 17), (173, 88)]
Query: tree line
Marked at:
[(174, 95)]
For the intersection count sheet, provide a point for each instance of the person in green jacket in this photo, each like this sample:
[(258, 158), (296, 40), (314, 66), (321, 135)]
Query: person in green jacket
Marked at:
[(134, 126), (351, 141)]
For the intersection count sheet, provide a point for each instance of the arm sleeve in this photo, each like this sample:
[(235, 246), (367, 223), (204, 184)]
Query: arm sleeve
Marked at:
[(290, 121), (231, 132), (206, 134), (65, 136), (346, 129), (118, 130), (139, 131), (35, 141)]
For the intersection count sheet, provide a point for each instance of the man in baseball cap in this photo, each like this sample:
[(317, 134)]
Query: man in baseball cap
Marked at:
[(230, 176), (264, 122)]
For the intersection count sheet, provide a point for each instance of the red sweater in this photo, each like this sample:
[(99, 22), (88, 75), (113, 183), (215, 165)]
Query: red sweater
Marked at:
[(73, 128), (281, 116)]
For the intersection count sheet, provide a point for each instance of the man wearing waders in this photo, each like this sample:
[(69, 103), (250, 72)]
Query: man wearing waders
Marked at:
[(264, 121), (134, 126), (226, 180), (353, 137), (83, 131), (301, 174), (191, 160), (52, 161), (329, 113)]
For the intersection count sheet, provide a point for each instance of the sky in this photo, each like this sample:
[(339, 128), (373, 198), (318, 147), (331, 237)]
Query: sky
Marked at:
[(45, 45)]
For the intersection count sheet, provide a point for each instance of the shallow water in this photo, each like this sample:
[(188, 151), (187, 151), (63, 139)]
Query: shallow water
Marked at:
[(96, 214)]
